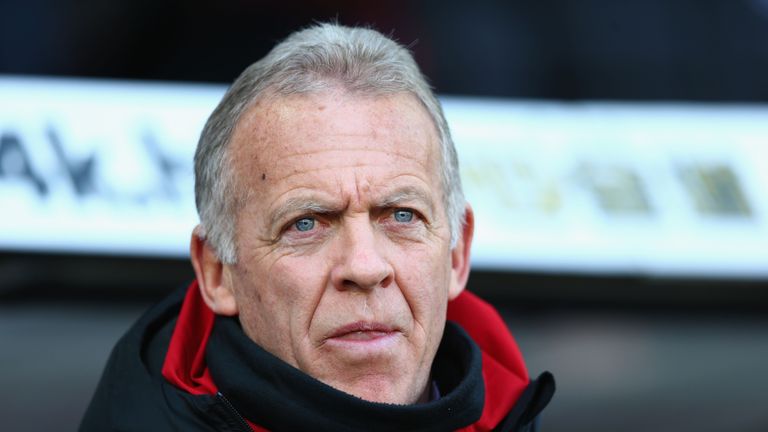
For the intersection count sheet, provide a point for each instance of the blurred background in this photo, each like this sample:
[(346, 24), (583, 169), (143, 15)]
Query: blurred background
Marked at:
[(616, 154)]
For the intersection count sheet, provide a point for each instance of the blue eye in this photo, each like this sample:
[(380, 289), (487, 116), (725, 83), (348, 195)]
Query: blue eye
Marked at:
[(304, 224), (403, 215)]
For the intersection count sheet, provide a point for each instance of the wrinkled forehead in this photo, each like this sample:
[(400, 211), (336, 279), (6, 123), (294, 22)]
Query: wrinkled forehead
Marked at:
[(276, 128)]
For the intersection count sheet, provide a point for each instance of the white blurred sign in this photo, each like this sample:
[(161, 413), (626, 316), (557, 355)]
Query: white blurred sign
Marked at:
[(99, 166), (659, 189), (662, 189)]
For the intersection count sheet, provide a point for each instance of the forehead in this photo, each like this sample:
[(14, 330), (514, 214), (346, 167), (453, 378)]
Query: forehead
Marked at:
[(284, 135)]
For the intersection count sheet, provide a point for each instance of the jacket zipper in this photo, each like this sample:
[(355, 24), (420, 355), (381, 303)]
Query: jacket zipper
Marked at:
[(228, 404)]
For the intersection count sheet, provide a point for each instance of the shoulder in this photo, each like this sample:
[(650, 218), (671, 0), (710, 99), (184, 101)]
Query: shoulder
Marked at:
[(132, 394), (524, 417)]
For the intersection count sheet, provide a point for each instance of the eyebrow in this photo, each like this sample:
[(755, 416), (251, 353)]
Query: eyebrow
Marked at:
[(299, 205), (406, 194)]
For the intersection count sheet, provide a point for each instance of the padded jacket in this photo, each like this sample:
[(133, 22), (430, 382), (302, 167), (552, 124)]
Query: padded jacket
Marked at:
[(182, 368)]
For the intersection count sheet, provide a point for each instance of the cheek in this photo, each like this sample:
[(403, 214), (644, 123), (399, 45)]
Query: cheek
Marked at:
[(424, 279), (280, 296), (296, 285)]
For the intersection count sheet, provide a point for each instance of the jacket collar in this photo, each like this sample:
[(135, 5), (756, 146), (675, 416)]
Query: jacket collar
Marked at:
[(277, 396), (503, 377)]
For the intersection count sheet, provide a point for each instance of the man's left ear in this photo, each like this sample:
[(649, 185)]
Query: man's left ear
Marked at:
[(460, 255)]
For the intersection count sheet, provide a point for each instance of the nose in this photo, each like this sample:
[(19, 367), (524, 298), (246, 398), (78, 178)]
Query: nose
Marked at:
[(362, 264)]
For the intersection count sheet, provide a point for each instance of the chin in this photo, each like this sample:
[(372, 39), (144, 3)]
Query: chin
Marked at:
[(384, 391)]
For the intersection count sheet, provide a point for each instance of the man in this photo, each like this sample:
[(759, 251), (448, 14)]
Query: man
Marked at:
[(334, 241)]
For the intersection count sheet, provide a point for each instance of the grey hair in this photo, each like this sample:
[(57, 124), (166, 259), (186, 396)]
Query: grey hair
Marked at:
[(359, 60)]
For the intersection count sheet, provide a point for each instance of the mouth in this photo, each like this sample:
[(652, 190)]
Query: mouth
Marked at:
[(362, 333)]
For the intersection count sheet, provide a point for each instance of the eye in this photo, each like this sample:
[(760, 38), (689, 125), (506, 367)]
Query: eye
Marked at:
[(403, 215), (304, 224)]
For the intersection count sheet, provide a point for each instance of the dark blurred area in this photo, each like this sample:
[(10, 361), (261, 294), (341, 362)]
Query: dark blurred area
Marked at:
[(629, 352), (690, 50)]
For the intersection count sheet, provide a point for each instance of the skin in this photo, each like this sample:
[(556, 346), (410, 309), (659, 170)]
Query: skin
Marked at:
[(358, 300)]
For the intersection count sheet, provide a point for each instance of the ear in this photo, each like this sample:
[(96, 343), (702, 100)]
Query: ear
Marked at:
[(460, 255), (213, 276)]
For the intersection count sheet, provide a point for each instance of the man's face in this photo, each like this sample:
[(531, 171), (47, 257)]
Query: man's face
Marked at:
[(344, 263)]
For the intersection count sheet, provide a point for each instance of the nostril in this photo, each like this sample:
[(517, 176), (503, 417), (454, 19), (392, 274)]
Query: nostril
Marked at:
[(382, 281), (350, 284)]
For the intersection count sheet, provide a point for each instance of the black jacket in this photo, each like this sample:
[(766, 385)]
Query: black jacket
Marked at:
[(484, 389)]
